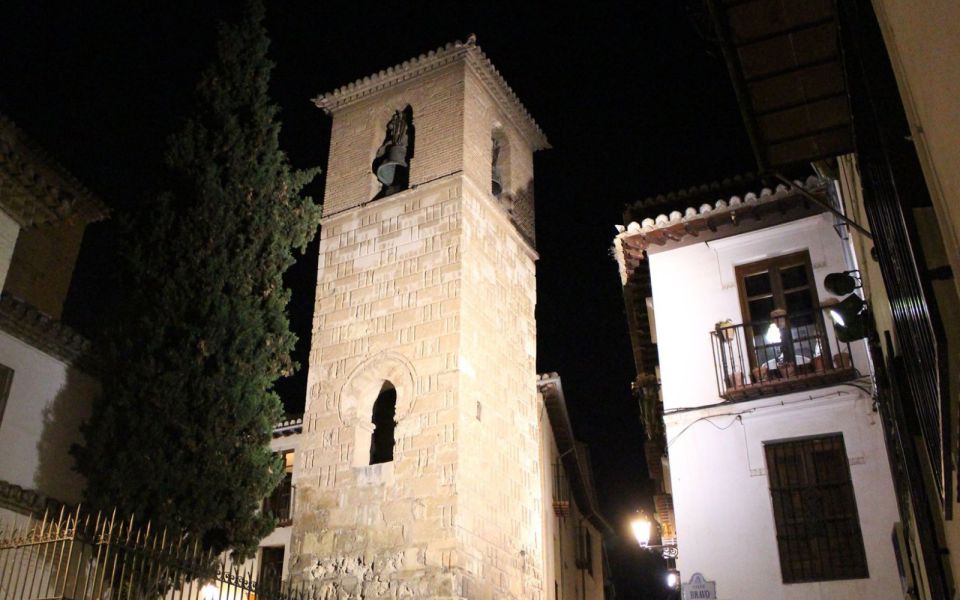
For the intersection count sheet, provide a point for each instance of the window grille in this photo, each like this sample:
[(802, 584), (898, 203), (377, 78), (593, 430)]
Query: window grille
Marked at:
[(280, 502), (561, 491), (271, 569), (585, 549), (815, 511)]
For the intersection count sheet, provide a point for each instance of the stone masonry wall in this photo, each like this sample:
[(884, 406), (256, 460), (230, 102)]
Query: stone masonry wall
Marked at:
[(483, 116), (432, 289), (500, 500), (358, 130), (387, 310)]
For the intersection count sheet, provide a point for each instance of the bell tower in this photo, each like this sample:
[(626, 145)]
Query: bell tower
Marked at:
[(418, 472)]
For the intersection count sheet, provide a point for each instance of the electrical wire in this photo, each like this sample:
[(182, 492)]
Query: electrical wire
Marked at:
[(735, 415)]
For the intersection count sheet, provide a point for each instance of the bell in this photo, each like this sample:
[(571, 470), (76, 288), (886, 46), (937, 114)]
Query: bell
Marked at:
[(496, 182), (386, 168)]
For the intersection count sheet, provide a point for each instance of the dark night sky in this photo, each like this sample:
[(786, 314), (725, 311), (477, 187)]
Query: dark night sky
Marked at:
[(632, 99)]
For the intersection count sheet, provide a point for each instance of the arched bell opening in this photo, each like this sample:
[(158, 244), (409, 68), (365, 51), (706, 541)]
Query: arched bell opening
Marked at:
[(499, 163), (391, 164)]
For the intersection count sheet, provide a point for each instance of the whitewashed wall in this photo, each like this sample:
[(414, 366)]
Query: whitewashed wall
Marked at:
[(695, 287), (723, 506), (718, 472), (48, 401)]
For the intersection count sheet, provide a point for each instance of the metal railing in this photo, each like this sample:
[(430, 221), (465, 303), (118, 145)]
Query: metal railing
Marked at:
[(77, 555), (561, 490), (764, 358), (280, 503)]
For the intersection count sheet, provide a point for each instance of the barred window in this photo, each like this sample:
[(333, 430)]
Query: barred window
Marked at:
[(584, 549), (815, 511)]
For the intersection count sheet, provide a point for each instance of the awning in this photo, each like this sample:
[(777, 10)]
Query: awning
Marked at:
[(785, 63)]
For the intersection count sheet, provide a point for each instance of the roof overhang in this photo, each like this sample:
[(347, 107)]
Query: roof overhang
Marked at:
[(467, 52), (785, 64), (35, 190), (45, 333), (723, 219), (574, 454)]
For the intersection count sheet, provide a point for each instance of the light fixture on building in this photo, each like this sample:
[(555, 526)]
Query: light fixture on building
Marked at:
[(673, 579), (848, 315), (642, 527), (209, 591)]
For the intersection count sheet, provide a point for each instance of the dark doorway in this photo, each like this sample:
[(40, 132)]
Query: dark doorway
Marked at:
[(384, 423), (271, 570)]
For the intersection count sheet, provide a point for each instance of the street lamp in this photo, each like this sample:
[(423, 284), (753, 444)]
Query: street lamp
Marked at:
[(209, 592), (673, 579), (642, 526)]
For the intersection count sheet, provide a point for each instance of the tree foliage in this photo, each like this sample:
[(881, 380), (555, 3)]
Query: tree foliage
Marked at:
[(180, 432)]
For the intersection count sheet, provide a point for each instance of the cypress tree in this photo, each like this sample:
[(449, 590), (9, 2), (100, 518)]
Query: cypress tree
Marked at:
[(179, 435)]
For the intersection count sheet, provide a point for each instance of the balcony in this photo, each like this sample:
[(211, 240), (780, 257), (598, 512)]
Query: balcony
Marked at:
[(280, 502), (785, 354)]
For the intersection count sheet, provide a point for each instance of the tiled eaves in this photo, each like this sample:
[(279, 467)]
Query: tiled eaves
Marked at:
[(737, 214), (44, 333), (433, 60), (288, 426), (36, 189), (694, 195)]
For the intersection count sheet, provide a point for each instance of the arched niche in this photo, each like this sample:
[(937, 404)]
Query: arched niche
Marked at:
[(394, 154), (500, 171), (364, 386)]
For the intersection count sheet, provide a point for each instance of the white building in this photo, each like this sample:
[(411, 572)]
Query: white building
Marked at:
[(45, 381), (575, 563), (778, 471)]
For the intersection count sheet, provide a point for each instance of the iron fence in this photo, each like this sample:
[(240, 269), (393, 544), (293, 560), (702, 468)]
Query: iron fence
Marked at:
[(78, 555), (771, 357)]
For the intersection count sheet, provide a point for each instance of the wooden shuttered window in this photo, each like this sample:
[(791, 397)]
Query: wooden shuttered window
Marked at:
[(815, 511), (785, 283)]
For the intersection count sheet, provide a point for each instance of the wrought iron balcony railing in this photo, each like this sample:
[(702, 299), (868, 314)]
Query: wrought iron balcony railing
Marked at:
[(792, 352), (281, 502)]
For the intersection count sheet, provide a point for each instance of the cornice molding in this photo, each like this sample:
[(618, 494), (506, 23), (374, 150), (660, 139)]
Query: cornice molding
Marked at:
[(470, 54), (35, 190), (26, 501), (43, 332)]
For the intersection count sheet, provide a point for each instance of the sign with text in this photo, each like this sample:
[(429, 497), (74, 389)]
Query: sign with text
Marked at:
[(698, 588)]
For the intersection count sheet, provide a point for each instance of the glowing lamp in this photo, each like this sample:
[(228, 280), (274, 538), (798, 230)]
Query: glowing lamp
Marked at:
[(209, 592), (779, 317), (848, 319), (641, 526), (673, 579), (772, 336)]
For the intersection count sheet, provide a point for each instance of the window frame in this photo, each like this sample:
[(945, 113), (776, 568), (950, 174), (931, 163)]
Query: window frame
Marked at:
[(270, 581), (774, 266), (806, 502), (6, 385)]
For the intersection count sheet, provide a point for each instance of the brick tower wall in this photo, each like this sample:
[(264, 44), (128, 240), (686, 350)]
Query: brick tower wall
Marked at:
[(432, 289)]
